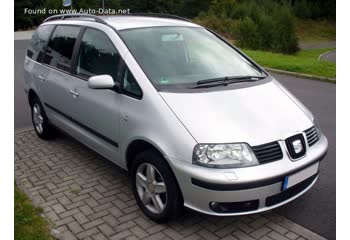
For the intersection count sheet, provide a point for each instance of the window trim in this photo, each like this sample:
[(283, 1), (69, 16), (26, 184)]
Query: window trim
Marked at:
[(77, 51), (75, 45), (44, 48), (121, 66), (129, 94)]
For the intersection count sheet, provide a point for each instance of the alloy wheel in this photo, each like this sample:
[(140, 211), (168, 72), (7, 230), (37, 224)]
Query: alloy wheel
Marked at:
[(151, 188), (38, 118)]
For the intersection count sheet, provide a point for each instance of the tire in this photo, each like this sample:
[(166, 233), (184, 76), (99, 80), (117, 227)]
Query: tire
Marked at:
[(146, 193), (40, 121)]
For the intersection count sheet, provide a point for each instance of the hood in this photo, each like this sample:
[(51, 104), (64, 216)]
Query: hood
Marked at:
[(258, 114)]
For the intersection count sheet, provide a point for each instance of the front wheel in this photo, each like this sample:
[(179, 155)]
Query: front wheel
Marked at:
[(155, 187)]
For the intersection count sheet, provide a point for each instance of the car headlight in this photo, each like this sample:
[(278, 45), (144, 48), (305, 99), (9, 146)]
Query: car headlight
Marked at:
[(233, 155)]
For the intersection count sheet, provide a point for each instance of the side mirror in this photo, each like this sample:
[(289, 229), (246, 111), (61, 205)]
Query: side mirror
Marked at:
[(101, 82)]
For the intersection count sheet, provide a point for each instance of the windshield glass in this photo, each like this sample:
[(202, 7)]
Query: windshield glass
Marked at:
[(184, 55)]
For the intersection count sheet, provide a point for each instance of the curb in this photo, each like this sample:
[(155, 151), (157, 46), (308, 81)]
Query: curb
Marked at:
[(301, 75), (319, 57)]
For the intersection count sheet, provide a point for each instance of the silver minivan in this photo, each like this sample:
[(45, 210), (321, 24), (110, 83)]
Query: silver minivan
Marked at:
[(194, 121)]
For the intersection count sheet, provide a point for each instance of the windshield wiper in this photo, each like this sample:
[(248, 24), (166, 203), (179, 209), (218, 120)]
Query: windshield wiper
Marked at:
[(226, 80)]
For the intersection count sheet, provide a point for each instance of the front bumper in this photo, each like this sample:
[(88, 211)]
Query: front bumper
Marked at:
[(256, 189)]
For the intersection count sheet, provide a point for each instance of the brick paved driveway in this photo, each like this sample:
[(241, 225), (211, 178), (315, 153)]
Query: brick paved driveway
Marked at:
[(84, 196)]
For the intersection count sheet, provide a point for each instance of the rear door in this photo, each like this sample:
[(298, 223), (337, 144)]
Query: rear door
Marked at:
[(33, 70), (98, 110), (58, 83)]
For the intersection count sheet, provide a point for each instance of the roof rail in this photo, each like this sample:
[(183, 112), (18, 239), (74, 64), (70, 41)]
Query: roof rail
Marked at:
[(76, 15), (159, 15)]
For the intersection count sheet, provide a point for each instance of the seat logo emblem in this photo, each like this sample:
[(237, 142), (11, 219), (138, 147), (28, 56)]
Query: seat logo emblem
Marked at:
[(298, 147)]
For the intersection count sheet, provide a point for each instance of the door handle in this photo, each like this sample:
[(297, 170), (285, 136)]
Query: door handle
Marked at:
[(42, 79), (125, 117), (74, 93)]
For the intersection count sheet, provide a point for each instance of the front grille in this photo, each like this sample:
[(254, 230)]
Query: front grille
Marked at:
[(291, 192), (311, 136), (294, 154), (268, 152)]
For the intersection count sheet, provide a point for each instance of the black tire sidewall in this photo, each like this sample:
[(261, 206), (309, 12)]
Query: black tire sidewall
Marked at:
[(174, 198), (47, 128)]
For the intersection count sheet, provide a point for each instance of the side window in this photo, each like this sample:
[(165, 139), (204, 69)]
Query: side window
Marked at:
[(60, 48), (97, 55), (130, 85), (38, 43)]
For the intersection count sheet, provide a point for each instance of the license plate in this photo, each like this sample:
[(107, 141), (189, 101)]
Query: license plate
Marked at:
[(300, 176)]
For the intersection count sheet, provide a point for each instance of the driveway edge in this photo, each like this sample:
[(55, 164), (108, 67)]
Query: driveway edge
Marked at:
[(301, 75)]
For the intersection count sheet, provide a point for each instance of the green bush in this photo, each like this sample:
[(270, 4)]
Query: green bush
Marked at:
[(285, 39), (224, 26), (262, 24), (247, 33), (302, 9)]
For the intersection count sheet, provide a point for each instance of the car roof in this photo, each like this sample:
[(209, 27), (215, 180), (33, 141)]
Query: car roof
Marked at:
[(128, 22), (121, 22)]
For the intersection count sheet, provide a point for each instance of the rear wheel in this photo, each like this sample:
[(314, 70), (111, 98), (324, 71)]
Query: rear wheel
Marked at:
[(40, 121), (155, 187)]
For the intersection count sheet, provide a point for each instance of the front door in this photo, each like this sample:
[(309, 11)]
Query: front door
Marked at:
[(97, 110)]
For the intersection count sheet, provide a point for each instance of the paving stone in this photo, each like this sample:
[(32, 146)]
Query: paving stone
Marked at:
[(121, 235), (291, 235), (106, 229), (94, 223), (81, 218), (276, 227), (260, 232), (87, 197), (68, 236), (172, 234), (276, 236), (58, 208), (75, 227), (99, 236), (86, 210), (69, 213), (110, 220), (124, 226), (156, 236), (207, 235), (139, 232), (52, 216), (241, 235)]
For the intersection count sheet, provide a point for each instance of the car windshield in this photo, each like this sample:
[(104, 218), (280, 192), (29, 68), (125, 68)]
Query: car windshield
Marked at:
[(185, 55)]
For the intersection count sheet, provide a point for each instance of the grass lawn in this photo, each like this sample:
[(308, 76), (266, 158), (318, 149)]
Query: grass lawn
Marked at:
[(304, 61), (29, 225)]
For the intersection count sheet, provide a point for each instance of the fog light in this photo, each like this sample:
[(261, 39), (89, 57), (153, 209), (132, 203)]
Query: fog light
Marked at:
[(234, 207)]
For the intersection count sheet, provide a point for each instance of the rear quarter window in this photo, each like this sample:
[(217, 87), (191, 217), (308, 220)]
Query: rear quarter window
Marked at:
[(38, 42), (59, 51)]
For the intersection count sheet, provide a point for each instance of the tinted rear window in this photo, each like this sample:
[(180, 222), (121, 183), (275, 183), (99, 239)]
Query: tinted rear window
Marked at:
[(38, 43), (60, 48)]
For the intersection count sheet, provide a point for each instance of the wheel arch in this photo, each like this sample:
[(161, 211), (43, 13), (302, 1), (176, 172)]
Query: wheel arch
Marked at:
[(140, 145), (32, 95), (137, 146)]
